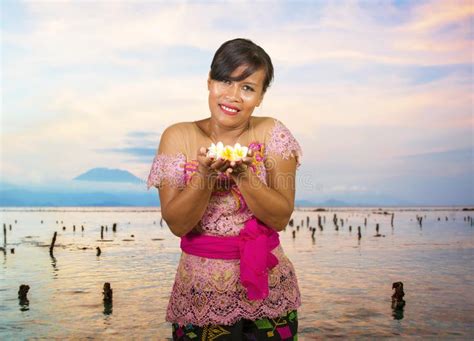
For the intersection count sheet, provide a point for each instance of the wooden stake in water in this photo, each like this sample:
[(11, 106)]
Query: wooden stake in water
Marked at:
[(359, 235), (99, 251), (391, 222), (23, 292), (420, 220), (397, 297), (114, 227), (102, 232), (52, 243), (4, 234), (107, 293)]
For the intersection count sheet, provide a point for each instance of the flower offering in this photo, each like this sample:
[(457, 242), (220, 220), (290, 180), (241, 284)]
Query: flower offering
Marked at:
[(235, 153)]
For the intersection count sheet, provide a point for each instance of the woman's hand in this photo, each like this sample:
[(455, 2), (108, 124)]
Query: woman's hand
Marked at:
[(240, 167), (210, 166)]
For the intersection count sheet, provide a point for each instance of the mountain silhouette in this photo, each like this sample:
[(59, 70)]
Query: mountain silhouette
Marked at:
[(108, 175)]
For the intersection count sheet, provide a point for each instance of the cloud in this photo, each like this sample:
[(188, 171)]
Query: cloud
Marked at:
[(455, 155), (360, 84), (141, 153), (346, 188), (142, 134)]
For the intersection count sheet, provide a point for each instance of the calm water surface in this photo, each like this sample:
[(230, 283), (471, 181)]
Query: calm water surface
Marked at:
[(345, 282)]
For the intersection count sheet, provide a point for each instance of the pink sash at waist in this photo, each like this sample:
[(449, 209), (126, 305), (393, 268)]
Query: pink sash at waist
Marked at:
[(252, 246)]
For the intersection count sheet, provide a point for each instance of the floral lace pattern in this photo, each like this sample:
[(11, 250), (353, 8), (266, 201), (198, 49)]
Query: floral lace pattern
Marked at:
[(208, 291), (169, 168), (283, 143)]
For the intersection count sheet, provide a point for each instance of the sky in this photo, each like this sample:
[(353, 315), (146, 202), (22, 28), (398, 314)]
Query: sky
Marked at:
[(378, 93)]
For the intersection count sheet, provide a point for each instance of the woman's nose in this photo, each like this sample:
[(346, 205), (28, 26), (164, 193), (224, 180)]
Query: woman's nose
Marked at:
[(233, 92)]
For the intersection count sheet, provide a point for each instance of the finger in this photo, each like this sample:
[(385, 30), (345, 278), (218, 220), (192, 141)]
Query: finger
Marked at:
[(224, 166), (202, 150), (208, 162), (217, 164), (247, 160)]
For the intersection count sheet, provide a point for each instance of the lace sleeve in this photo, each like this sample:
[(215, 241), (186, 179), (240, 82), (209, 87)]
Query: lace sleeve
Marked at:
[(169, 168), (169, 162), (282, 143)]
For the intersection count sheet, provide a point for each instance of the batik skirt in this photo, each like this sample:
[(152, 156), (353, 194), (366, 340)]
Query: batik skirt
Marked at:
[(280, 328)]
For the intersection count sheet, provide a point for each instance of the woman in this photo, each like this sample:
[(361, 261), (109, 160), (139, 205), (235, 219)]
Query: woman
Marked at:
[(233, 281)]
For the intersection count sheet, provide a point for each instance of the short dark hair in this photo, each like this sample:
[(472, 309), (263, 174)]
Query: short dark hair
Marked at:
[(238, 52)]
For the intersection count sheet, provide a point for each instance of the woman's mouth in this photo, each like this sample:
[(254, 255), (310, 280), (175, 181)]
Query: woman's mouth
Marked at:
[(228, 110)]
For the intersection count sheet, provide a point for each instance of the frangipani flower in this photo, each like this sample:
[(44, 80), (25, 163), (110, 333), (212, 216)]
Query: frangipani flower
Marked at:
[(239, 152), (215, 150), (229, 153)]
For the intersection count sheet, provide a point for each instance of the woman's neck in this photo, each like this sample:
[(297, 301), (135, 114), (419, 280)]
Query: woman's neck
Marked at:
[(227, 135)]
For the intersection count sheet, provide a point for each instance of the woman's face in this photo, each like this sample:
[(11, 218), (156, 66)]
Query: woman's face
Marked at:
[(232, 102)]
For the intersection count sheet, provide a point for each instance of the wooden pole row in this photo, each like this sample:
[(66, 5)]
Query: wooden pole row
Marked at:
[(24, 289)]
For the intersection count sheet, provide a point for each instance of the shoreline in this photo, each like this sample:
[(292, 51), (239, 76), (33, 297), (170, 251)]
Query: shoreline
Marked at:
[(322, 209)]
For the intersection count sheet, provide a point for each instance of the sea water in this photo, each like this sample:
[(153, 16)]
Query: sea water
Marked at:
[(345, 282)]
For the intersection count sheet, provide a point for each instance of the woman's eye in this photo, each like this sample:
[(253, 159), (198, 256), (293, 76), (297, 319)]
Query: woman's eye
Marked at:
[(226, 81), (248, 88)]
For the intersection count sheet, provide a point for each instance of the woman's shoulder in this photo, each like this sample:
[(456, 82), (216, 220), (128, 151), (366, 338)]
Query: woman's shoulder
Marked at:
[(265, 126), (278, 138), (179, 129)]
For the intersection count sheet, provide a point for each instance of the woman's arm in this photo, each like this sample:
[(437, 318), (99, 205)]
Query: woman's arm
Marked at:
[(273, 203), (183, 208)]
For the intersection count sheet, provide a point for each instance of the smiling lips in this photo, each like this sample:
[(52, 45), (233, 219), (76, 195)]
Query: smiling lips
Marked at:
[(228, 109)]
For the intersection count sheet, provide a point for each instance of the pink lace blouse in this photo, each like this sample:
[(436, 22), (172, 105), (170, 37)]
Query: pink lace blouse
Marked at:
[(208, 291)]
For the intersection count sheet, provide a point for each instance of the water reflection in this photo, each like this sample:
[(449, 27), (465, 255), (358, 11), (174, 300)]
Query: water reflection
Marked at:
[(397, 313), (54, 265), (108, 308), (345, 282)]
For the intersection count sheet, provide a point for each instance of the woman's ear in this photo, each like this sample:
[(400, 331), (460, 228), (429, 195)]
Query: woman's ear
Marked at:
[(209, 81)]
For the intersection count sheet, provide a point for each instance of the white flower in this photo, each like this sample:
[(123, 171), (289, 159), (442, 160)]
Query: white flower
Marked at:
[(235, 153), (239, 152), (215, 151), (227, 153)]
